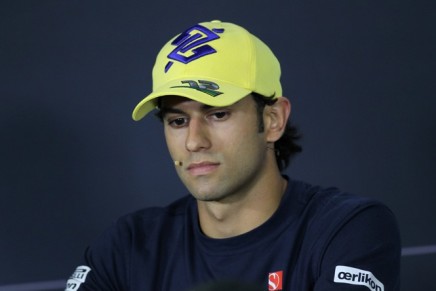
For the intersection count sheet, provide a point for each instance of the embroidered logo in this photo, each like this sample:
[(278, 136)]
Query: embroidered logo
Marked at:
[(275, 281), (77, 278), (353, 276), (204, 86), (192, 44)]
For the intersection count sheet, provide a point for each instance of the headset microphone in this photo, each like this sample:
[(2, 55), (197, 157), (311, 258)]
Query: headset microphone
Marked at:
[(178, 163)]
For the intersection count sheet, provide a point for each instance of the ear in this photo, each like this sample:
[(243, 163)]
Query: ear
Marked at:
[(276, 117)]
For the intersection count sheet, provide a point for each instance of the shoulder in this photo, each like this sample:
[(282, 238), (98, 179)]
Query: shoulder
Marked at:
[(135, 235), (152, 218), (326, 212), (141, 226), (343, 229), (333, 203), (338, 212)]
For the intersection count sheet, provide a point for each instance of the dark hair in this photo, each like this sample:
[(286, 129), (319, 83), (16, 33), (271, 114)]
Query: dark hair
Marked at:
[(286, 147)]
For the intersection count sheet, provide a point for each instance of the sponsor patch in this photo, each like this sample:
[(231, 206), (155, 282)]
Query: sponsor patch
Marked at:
[(354, 276), (275, 281), (77, 278)]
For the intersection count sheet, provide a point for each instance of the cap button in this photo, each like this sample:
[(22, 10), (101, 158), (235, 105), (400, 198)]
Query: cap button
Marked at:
[(216, 21)]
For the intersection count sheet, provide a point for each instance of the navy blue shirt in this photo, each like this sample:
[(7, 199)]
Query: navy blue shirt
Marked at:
[(318, 239)]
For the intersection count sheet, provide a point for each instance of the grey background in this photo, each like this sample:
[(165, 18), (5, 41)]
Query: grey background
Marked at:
[(360, 76)]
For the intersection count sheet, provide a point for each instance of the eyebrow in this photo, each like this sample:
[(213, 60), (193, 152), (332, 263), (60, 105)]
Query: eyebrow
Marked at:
[(167, 109)]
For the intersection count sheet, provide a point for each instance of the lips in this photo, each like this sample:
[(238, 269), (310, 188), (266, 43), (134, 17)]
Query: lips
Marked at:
[(202, 168)]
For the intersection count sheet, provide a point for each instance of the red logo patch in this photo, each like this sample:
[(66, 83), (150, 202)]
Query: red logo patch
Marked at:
[(275, 280)]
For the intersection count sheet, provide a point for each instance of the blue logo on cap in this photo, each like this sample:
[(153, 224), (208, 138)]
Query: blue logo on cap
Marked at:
[(193, 40)]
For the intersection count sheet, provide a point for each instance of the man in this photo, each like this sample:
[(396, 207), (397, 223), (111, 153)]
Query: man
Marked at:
[(217, 91)]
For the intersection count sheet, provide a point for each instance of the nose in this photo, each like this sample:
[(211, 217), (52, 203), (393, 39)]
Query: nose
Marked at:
[(198, 135)]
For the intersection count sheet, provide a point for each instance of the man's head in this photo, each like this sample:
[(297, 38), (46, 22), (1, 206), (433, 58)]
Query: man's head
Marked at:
[(218, 64)]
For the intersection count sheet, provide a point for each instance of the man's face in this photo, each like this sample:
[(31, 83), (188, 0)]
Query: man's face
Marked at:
[(221, 149)]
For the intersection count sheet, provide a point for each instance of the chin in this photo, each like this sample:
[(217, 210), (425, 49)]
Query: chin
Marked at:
[(207, 197)]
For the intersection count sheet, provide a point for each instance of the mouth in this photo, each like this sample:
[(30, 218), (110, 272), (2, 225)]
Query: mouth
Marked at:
[(202, 168)]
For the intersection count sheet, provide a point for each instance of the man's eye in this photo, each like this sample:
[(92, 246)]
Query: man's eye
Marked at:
[(177, 122), (220, 115)]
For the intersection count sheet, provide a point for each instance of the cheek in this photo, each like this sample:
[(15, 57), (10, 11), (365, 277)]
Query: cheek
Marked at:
[(174, 143), (242, 142)]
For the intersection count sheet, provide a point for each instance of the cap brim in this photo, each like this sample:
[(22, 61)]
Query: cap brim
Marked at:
[(225, 95)]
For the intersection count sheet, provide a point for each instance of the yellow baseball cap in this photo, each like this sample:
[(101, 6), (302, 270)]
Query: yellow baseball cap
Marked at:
[(215, 63)]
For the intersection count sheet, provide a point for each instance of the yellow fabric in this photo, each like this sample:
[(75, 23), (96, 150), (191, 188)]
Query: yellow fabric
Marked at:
[(241, 64)]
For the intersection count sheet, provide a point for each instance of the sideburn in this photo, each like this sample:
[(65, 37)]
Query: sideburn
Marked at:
[(261, 102)]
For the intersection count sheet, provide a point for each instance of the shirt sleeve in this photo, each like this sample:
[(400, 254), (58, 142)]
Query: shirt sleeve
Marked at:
[(104, 266), (363, 253)]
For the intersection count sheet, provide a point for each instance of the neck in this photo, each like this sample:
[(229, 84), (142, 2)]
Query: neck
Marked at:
[(223, 219)]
